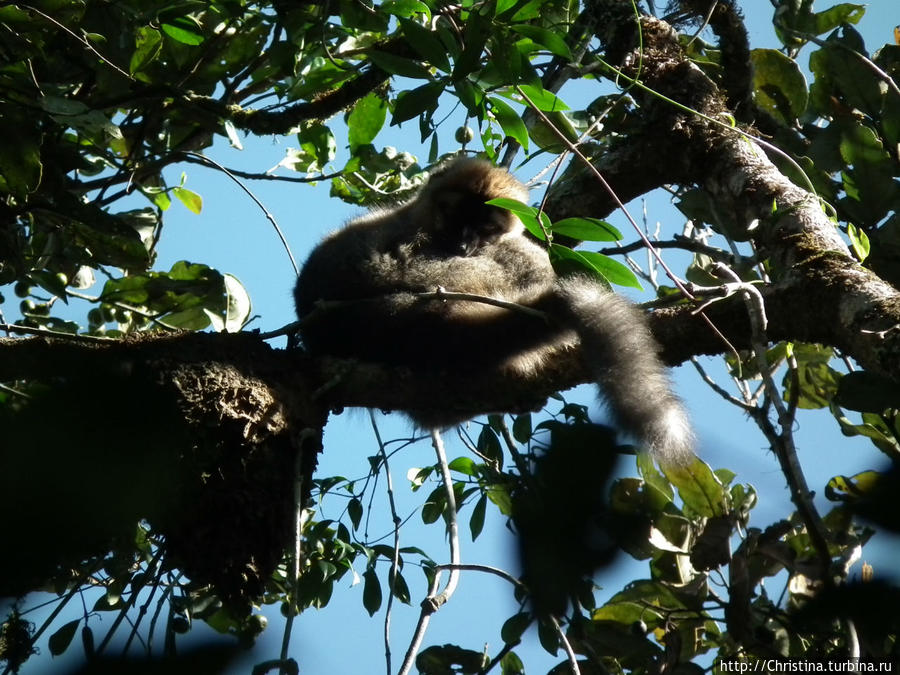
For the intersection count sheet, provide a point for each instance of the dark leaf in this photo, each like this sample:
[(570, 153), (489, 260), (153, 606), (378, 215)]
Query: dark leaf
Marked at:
[(62, 638)]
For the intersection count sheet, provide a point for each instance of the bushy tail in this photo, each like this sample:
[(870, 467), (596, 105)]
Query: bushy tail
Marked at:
[(622, 356)]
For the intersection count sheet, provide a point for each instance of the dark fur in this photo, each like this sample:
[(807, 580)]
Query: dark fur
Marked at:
[(447, 237)]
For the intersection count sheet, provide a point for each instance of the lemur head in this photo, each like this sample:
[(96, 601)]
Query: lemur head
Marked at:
[(452, 209)]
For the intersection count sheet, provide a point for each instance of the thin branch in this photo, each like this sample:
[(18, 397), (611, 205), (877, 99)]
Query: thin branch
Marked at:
[(434, 601), (395, 555), (513, 449), (123, 613), (718, 389), (677, 242), (142, 611), (567, 647), (82, 40), (325, 306), (286, 664), (252, 196), (255, 175), (570, 652), (782, 442), (43, 332), (160, 604), (452, 524)]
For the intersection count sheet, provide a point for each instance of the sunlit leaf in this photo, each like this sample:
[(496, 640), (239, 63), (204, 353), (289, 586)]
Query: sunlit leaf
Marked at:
[(509, 120), (189, 198), (366, 120)]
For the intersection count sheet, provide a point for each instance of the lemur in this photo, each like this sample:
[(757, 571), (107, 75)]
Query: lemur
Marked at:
[(446, 237)]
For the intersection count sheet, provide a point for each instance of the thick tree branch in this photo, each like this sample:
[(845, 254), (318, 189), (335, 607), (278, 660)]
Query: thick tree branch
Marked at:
[(262, 122), (820, 294)]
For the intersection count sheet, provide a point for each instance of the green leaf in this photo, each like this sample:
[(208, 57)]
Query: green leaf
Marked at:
[(448, 659), (509, 120), (49, 282), (401, 589), (511, 664), (778, 84), (476, 520), (868, 180), (527, 214), (472, 97), (849, 488), (20, 158), (867, 392), (514, 627), (596, 263), (194, 319), (148, 45), (92, 123), (366, 120), (586, 229), (522, 429), (699, 488), (371, 591), (189, 198), (434, 506), (844, 77), (548, 637), (463, 465), (549, 39), (355, 511), (183, 30), (397, 65), (427, 43), (514, 205), (62, 638), (859, 240), (317, 139), (416, 101), (488, 446), (833, 17), (406, 8), (499, 495), (475, 35), (873, 428), (541, 98), (816, 382)]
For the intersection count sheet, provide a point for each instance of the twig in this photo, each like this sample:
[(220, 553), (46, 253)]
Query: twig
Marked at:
[(717, 388), (142, 611), (269, 216), (289, 329), (679, 241), (567, 647), (395, 556), (285, 666), (782, 442), (43, 332), (570, 652), (80, 39), (126, 608), (434, 601), (325, 306)]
